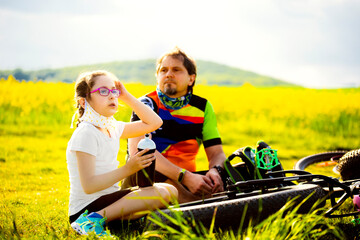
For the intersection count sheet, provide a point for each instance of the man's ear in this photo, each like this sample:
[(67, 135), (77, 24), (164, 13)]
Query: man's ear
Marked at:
[(192, 80), (82, 102)]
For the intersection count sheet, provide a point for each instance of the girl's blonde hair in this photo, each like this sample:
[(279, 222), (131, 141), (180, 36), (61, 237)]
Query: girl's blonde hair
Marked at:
[(83, 85)]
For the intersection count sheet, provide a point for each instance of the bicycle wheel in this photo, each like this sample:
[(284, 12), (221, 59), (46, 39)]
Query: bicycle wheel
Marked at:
[(348, 166), (230, 212), (306, 161)]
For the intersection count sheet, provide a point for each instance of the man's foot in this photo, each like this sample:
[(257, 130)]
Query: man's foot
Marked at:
[(90, 223)]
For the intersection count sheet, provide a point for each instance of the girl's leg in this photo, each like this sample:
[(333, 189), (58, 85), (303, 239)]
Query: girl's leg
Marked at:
[(149, 198)]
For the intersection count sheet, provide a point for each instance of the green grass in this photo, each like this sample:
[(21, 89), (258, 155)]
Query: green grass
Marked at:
[(34, 185), (34, 190)]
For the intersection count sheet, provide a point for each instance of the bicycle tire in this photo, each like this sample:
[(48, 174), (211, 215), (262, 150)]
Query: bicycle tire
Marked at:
[(230, 212), (349, 164), (306, 161)]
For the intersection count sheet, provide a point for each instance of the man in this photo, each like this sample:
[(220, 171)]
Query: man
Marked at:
[(188, 121)]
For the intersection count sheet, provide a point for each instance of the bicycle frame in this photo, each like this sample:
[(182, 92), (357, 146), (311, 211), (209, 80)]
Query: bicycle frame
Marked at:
[(346, 188)]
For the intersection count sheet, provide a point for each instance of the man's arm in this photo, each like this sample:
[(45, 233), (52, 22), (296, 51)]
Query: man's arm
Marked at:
[(213, 147), (216, 156)]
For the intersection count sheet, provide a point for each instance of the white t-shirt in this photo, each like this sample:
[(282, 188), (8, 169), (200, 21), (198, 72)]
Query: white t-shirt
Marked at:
[(87, 138)]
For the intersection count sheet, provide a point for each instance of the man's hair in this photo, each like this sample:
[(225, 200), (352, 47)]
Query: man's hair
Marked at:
[(189, 63)]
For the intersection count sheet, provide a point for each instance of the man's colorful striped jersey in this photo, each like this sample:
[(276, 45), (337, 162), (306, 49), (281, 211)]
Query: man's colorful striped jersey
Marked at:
[(183, 130)]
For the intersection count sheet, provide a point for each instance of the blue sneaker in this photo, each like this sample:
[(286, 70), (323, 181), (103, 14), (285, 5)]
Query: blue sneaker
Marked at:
[(90, 223)]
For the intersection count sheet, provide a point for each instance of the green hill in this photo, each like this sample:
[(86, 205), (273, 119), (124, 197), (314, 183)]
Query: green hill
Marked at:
[(144, 71)]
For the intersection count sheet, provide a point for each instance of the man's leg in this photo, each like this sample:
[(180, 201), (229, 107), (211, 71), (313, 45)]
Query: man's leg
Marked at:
[(184, 194)]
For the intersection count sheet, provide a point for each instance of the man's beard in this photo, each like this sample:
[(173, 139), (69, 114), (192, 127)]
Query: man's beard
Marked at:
[(168, 90)]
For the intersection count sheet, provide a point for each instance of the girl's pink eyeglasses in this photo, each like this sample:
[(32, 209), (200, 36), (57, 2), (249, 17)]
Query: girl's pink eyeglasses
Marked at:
[(103, 91)]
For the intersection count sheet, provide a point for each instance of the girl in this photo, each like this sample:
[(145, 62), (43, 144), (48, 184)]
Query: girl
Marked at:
[(92, 157)]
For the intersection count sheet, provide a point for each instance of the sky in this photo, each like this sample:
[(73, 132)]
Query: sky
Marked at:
[(312, 43)]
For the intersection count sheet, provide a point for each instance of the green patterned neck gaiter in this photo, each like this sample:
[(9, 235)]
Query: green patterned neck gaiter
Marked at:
[(173, 103)]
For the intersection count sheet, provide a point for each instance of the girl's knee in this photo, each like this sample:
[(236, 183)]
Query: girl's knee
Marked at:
[(167, 192), (173, 191)]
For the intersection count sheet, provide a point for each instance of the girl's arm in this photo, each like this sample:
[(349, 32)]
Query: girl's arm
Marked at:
[(149, 120), (196, 183), (92, 183)]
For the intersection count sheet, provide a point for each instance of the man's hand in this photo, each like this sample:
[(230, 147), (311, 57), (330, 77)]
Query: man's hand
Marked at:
[(216, 156), (215, 177), (198, 184)]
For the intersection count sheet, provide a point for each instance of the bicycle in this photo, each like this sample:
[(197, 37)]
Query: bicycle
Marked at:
[(263, 189)]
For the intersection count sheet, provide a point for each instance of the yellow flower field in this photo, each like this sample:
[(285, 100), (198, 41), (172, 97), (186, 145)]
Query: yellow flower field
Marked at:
[(288, 118)]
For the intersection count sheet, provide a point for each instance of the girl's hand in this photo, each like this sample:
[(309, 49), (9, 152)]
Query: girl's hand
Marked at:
[(140, 161), (121, 87)]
